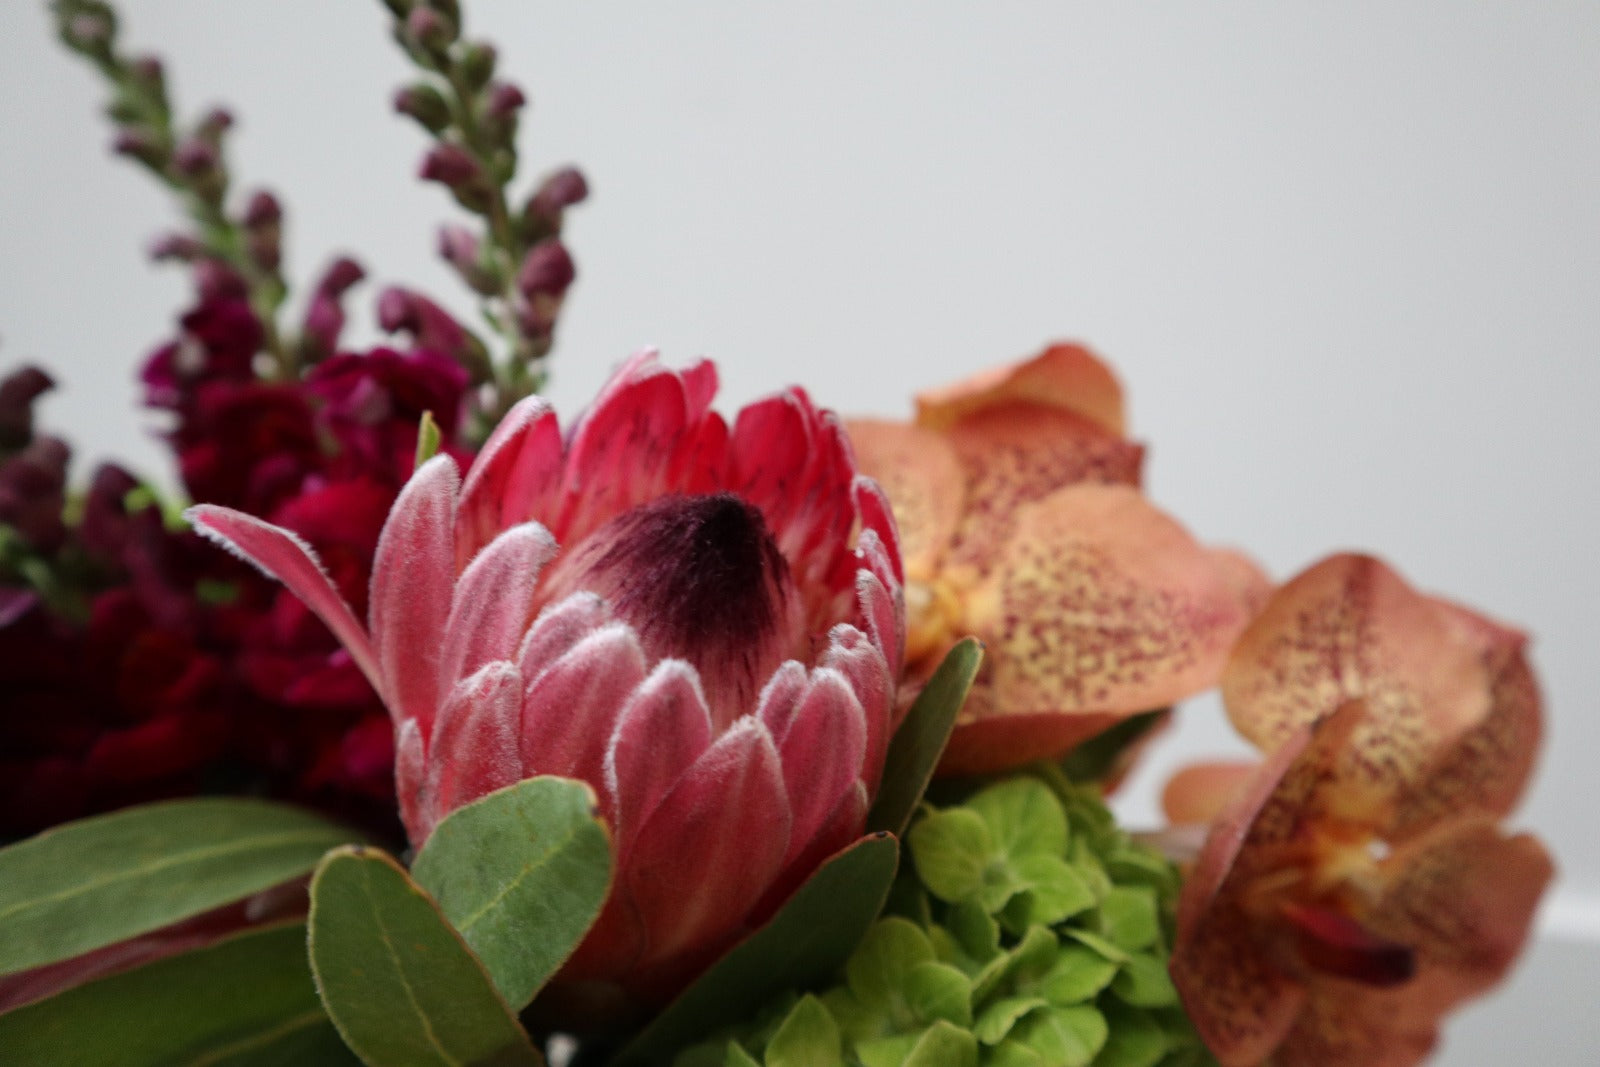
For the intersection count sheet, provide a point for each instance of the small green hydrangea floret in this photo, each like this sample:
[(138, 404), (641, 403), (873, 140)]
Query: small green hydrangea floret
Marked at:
[(1027, 931)]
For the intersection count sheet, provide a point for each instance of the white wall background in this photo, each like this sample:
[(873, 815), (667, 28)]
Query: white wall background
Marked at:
[(1345, 257)]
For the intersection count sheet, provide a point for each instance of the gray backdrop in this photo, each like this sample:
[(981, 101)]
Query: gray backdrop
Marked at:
[(1344, 257)]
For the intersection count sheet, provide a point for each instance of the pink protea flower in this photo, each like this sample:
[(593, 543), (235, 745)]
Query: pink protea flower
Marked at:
[(702, 621)]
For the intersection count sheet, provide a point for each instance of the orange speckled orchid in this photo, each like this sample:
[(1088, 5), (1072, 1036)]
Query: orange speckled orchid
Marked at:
[(1357, 886), (1016, 495)]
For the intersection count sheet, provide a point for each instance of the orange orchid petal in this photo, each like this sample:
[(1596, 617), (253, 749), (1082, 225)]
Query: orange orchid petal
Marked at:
[(922, 477), (1200, 793), (1351, 1025), (1487, 769), (1103, 604), (1251, 583), (1350, 628), (1013, 455), (1064, 376), (999, 742)]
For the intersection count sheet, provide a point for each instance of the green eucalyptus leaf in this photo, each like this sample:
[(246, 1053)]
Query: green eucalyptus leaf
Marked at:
[(805, 942), (98, 881), (939, 991), (246, 1001), (398, 981), (522, 873), (1144, 982), (919, 742), (808, 1037), (1068, 1037), (1024, 818), (1128, 917)]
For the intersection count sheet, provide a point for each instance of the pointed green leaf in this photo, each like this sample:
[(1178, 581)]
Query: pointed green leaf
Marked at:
[(522, 874), (245, 1001), (98, 881), (919, 742), (806, 941), (396, 978), (428, 440), (808, 1037)]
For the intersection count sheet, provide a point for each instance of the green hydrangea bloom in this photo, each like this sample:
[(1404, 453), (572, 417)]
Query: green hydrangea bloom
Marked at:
[(1027, 931)]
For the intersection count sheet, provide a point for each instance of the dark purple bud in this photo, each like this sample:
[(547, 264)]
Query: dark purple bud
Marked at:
[(505, 100), (425, 104), (450, 165), (430, 29), (547, 271), (33, 492), (431, 327), (560, 191), (341, 274), (263, 210), (195, 157), (215, 280), (89, 30), (324, 320), (214, 124), (18, 391), (179, 246), (460, 247), (140, 144), (147, 70)]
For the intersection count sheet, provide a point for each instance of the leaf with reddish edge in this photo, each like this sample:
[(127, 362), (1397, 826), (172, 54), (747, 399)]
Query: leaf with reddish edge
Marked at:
[(808, 939), (522, 874), (247, 1000), (400, 984), (920, 741)]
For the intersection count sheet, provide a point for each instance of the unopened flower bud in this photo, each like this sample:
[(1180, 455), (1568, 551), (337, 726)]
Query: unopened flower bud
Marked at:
[(477, 64), (547, 271), (559, 191), (214, 124), (149, 79), (195, 157), (88, 28), (263, 230), (262, 210), (18, 390), (449, 165), (215, 280), (460, 248), (430, 30), (430, 326), (324, 320), (141, 144), (178, 246), (505, 99), (425, 104)]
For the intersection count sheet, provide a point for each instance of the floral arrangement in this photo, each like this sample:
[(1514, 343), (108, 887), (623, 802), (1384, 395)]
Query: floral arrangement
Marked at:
[(437, 730)]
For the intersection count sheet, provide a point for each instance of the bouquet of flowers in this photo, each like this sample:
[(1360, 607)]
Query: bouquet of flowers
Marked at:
[(439, 730)]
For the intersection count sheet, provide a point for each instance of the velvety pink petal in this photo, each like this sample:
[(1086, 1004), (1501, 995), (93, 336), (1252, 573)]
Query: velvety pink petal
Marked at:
[(882, 612), (1104, 605), (570, 709), (662, 731), (559, 626), (410, 775), (822, 747), (623, 449), (475, 745), (858, 659), (1066, 377), (872, 505), (413, 578), (713, 844), (493, 601), (287, 558), (1350, 628), (514, 478), (780, 698), (923, 478)]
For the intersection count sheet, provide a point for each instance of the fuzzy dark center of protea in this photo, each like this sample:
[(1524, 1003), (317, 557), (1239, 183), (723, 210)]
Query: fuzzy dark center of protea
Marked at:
[(700, 578)]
